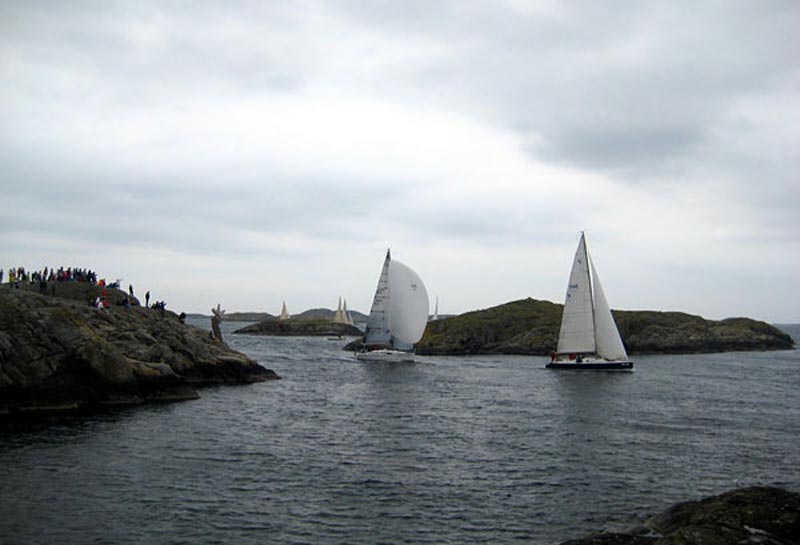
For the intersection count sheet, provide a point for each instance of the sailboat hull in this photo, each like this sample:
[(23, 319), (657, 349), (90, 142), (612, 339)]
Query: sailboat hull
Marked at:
[(387, 356), (592, 366)]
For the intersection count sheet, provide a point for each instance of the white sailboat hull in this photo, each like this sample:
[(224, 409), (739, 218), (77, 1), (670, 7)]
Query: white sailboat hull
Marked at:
[(387, 356)]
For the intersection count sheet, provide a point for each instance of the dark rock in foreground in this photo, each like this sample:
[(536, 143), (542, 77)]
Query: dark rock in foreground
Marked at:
[(749, 515), (531, 327), (301, 328), (59, 353)]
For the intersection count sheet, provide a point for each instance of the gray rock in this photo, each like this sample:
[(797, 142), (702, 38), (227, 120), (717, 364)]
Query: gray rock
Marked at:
[(58, 353), (759, 514)]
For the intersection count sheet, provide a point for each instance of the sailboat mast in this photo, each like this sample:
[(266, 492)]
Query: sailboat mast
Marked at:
[(591, 288)]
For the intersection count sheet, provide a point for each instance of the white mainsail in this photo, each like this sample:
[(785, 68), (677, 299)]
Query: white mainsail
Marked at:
[(577, 322), (284, 313), (399, 310), (378, 322)]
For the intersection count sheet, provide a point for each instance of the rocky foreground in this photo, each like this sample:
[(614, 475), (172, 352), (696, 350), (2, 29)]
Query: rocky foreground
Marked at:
[(59, 353), (766, 515), (531, 327)]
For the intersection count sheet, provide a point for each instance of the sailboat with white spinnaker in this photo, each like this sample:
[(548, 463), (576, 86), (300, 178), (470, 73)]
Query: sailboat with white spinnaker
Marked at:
[(398, 315)]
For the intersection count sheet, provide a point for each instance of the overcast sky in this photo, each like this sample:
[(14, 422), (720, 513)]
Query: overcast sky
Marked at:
[(247, 153)]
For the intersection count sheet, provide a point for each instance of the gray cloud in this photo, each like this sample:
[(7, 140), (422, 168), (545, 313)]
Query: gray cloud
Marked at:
[(217, 129)]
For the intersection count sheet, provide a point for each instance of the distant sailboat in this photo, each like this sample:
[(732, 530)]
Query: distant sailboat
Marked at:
[(589, 338), (342, 315), (284, 313), (346, 317), (398, 315), (436, 310), (337, 316)]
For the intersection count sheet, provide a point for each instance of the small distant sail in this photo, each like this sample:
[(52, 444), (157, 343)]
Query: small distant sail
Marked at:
[(436, 310), (284, 313), (346, 318), (337, 316)]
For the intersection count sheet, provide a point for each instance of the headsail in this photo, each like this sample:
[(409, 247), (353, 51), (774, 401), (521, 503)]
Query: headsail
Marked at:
[(609, 343)]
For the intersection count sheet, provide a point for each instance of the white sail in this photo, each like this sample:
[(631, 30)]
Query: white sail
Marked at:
[(577, 322), (609, 343), (284, 313), (378, 322), (409, 306), (337, 316), (346, 317), (436, 310)]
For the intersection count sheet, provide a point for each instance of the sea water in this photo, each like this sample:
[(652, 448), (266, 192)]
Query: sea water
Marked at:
[(485, 449)]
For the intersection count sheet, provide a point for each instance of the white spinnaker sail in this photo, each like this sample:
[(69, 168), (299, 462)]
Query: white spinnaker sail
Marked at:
[(609, 343), (379, 320), (409, 306), (577, 322)]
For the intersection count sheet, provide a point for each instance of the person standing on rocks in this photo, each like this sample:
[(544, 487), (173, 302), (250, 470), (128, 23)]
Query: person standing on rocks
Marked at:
[(130, 290), (147, 299)]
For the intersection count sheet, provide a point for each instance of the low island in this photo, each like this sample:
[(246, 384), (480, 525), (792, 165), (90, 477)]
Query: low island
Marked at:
[(301, 328), (59, 351), (530, 327)]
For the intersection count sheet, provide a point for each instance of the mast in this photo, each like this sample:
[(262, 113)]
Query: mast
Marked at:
[(589, 266)]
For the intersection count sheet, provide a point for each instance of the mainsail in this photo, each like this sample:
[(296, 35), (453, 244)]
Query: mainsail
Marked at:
[(378, 332), (577, 323)]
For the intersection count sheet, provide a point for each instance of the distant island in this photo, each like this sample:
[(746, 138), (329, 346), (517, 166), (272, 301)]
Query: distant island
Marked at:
[(295, 327), (59, 350), (530, 327)]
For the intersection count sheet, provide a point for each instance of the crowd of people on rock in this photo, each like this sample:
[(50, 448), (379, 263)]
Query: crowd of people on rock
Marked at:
[(70, 274), (48, 275)]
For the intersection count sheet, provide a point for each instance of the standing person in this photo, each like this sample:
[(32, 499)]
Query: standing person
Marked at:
[(1, 276), (130, 290), (147, 299)]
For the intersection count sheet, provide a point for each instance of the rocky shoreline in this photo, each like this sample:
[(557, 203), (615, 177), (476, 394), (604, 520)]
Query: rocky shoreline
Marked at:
[(530, 327), (59, 353), (758, 514)]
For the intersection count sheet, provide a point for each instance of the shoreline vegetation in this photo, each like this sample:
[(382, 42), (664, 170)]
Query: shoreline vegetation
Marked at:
[(530, 327), (59, 352)]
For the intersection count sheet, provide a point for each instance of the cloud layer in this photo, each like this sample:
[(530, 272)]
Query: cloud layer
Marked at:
[(249, 153)]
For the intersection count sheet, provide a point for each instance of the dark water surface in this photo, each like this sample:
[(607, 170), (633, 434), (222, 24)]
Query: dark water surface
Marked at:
[(447, 450)]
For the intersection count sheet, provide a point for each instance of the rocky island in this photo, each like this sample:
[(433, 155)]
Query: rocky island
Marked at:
[(301, 328), (530, 327), (758, 514), (58, 352)]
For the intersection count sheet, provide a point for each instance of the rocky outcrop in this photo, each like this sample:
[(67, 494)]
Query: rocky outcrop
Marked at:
[(58, 352), (531, 327), (765, 515), (301, 328)]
